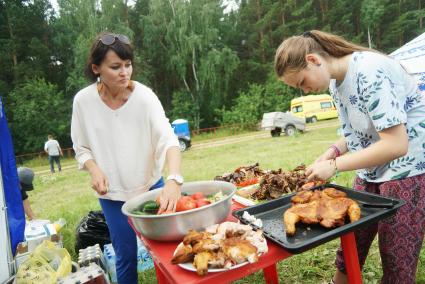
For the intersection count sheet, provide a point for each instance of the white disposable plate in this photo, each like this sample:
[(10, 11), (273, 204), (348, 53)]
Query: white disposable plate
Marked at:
[(189, 266), (243, 200)]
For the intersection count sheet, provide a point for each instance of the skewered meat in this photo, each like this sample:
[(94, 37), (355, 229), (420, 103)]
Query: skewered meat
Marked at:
[(242, 174), (277, 183), (328, 207)]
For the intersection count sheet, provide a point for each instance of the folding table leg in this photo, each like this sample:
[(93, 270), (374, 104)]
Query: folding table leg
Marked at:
[(351, 259), (159, 275), (270, 274)]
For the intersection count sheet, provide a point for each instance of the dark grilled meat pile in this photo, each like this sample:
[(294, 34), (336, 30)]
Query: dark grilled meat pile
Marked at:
[(277, 183), (242, 174)]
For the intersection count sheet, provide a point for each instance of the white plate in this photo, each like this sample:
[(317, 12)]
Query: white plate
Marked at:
[(189, 266), (243, 200)]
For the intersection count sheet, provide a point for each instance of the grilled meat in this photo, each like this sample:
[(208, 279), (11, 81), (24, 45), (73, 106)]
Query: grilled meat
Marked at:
[(329, 207), (242, 174)]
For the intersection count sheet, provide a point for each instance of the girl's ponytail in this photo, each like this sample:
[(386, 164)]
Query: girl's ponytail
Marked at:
[(290, 55)]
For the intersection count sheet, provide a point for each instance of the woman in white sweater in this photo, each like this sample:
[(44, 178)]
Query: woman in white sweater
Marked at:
[(122, 137)]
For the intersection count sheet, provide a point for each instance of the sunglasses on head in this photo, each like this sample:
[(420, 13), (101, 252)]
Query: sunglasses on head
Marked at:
[(109, 39)]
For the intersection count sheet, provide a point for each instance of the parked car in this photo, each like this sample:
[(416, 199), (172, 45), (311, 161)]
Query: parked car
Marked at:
[(278, 122), (314, 107), (181, 129)]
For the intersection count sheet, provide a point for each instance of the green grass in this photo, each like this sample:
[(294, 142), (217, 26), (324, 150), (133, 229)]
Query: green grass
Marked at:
[(68, 195)]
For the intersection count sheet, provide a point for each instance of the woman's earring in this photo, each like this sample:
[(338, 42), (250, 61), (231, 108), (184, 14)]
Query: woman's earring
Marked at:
[(99, 84), (319, 64)]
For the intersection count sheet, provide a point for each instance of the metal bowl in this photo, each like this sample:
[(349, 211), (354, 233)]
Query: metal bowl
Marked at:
[(174, 226)]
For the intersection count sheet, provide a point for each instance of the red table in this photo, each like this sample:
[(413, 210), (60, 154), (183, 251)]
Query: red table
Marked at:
[(162, 252)]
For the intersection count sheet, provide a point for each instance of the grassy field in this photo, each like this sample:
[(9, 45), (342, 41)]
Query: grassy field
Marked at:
[(68, 195)]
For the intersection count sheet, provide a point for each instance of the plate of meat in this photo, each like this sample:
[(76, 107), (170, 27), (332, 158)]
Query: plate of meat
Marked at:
[(306, 219), (219, 248), (275, 184)]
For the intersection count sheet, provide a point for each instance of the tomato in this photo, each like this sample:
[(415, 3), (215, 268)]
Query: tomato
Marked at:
[(198, 195), (247, 182), (202, 202), (185, 203)]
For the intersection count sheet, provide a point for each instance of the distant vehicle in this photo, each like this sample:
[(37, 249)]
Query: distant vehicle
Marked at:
[(181, 129), (278, 122), (314, 107)]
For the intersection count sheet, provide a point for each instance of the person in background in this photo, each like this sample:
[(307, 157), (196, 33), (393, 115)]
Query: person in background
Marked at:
[(122, 137), (53, 149), (26, 177), (382, 112)]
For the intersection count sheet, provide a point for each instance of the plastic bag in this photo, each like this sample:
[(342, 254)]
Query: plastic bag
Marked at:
[(92, 230), (45, 265)]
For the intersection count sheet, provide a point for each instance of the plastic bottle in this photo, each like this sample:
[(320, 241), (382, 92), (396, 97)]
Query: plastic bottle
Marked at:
[(59, 224), (144, 259)]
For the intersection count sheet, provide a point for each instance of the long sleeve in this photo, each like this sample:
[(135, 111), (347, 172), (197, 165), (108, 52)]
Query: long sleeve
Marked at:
[(79, 139), (162, 133)]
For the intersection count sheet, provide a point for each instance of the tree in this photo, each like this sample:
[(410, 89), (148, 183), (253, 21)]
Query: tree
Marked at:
[(39, 108)]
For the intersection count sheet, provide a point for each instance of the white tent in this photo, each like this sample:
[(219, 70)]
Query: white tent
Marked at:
[(412, 57)]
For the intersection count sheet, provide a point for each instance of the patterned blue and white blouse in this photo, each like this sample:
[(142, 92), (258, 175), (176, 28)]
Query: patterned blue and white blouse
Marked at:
[(376, 94)]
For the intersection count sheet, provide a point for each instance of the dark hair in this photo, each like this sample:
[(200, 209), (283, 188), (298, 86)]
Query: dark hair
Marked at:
[(290, 55), (98, 52)]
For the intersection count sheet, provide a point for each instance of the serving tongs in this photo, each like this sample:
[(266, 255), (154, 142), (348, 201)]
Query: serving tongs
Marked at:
[(376, 204)]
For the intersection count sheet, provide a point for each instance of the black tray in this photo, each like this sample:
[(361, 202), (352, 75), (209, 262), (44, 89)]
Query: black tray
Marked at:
[(373, 208)]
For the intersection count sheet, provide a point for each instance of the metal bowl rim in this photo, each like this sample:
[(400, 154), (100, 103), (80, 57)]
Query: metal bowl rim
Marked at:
[(230, 195)]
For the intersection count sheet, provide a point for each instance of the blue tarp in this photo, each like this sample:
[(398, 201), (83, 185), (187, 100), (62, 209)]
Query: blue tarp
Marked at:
[(12, 193)]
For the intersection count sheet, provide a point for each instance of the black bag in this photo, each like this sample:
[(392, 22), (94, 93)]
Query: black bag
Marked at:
[(92, 230)]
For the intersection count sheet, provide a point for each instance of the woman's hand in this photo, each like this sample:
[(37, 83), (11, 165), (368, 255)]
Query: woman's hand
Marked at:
[(322, 170), (169, 197), (99, 181)]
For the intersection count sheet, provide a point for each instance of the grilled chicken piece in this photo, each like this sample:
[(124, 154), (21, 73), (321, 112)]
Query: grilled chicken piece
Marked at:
[(201, 260), (193, 237), (333, 193), (333, 211), (304, 212), (205, 245), (183, 254), (239, 250), (328, 207)]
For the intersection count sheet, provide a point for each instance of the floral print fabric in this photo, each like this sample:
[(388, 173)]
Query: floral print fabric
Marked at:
[(376, 94)]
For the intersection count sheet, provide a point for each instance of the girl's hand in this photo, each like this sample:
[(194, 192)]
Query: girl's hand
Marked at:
[(322, 170), (327, 155), (169, 197), (99, 182)]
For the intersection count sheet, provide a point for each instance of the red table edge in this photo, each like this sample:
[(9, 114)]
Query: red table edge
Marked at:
[(349, 249)]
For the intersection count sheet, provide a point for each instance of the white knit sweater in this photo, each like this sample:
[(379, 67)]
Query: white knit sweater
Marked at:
[(128, 144)]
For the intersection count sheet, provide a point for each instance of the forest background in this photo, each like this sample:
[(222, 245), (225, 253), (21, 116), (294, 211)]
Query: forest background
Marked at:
[(207, 63)]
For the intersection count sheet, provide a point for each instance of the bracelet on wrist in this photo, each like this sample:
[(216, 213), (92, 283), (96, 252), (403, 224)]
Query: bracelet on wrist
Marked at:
[(336, 150), (333, 164)]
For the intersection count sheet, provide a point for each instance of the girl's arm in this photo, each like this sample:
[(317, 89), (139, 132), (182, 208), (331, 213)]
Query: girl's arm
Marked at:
[(331, 153), (393, 144)]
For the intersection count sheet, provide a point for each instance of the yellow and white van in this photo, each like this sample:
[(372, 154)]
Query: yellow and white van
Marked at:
[(314, 107)]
